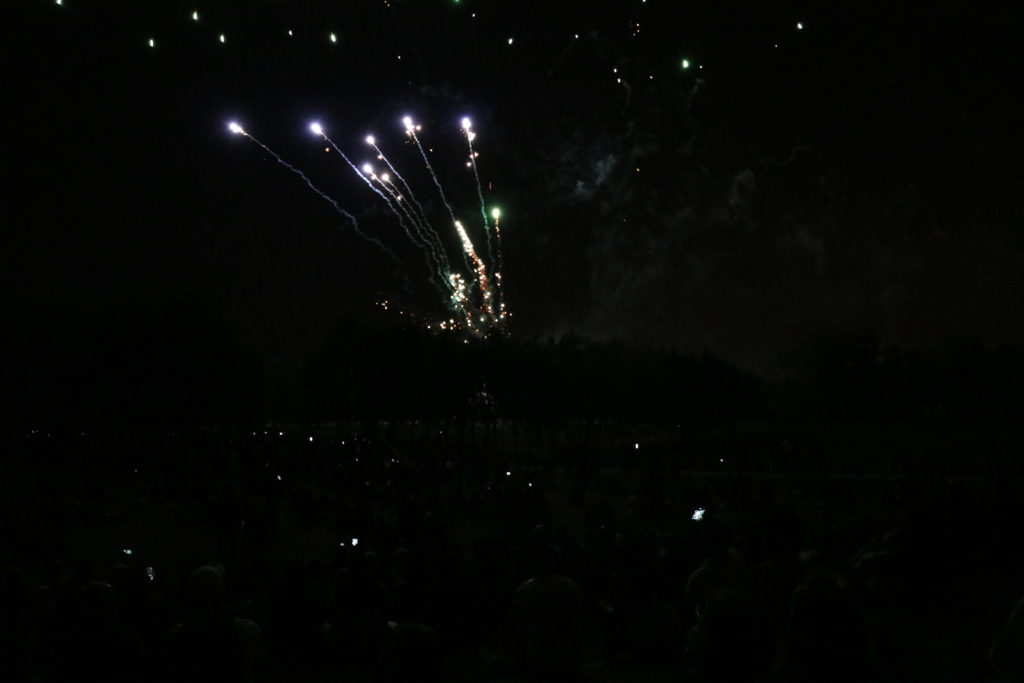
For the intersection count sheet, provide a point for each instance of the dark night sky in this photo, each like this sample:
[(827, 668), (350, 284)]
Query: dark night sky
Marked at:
[(864, 173)]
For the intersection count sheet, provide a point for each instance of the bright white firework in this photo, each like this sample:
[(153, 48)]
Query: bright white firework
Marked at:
[(316, 128), (235, 128), (370, 140)]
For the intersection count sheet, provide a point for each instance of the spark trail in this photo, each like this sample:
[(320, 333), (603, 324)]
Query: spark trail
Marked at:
[(476, 302), (238, 130), (467, 124), (368, 176)]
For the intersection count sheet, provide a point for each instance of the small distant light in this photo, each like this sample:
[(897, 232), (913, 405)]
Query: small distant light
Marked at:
[(496, 213), (576, 36), (370, 140), (334, 38), (152, 43), (636, 447), (511, 40), (799, 26), (127, 551), (686, 64), (530, 484), (195, 16), (223, 39), (311, 439), (698, 514), (316, 128), (280, 433), (721, 460), (508, 474), (279, 477), (291, 32), (60, 2), (355, 542)]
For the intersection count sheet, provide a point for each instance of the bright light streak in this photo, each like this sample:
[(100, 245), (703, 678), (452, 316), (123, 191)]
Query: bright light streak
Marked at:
[(367, 169), (370, 140), (407, 122), (496, 213), (235, 128), (385, 177), (466, 123), (315, 127)]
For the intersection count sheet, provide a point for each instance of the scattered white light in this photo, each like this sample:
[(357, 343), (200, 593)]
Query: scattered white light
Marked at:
[(407, 122), (127, 551), (367, 169), (316, 128), (385, 177), (698, 514), (466, 123), (237, 130), (355, 541)]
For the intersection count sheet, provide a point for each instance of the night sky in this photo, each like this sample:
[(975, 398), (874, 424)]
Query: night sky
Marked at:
[(716, 176)]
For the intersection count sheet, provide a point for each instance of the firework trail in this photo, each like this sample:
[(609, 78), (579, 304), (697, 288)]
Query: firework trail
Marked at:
[(238, 130), (417, 208), (410, 130), (478, 302), (422, 238), (499, 265), (470, 136)]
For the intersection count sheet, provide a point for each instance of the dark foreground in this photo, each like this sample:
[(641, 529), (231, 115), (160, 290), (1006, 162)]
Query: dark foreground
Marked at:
[(356, 554)]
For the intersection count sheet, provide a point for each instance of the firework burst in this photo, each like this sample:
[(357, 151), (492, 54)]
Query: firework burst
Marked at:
[(474, 298)]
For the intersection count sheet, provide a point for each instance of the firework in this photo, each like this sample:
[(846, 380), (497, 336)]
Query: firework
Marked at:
[(474, 299), (235, 128)]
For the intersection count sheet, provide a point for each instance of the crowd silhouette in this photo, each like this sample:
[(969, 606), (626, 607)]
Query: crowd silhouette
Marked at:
[(354, 561)]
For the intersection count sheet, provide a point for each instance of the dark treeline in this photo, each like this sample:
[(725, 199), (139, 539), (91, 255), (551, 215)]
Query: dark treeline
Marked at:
[(68, 363)]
